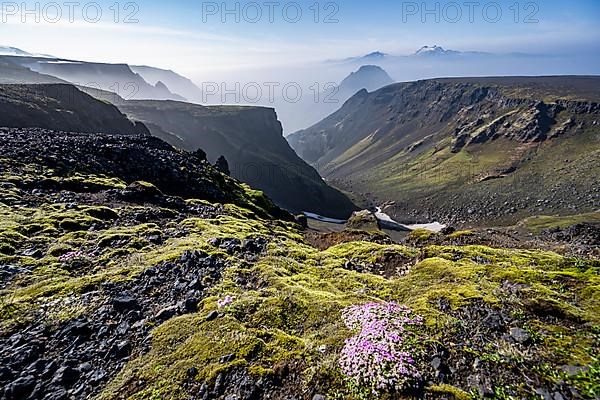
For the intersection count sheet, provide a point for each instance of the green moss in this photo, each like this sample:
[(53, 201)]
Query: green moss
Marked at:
[(539, 223), (461, 234), (367, 251), (102, 213), (448, 391), (421, 235)]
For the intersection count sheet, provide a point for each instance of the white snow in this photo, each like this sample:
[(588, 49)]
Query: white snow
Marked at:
[(434, 226), (383, 217), (323, 219)]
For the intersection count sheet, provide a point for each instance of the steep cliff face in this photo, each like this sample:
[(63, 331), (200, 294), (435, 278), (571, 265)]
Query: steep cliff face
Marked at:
[(252, 141), (61, 107), (114, 77), (465, 149)]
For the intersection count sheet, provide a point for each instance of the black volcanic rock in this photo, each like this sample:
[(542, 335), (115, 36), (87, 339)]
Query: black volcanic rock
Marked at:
[(148, 164), (222, 165)]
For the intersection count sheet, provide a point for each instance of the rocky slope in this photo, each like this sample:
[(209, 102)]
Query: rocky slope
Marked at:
[(483, 150), (251, 140), (132, 270), (61, 107)]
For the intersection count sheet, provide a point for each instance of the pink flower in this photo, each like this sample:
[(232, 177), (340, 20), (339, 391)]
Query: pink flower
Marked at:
[(378, 357), (70, 256), (227, 300)]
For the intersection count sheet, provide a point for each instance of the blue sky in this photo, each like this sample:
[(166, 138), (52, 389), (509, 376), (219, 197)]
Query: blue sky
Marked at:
[(175, 35)]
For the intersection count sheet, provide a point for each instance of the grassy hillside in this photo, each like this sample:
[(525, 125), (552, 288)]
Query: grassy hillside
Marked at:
[(478, 150)]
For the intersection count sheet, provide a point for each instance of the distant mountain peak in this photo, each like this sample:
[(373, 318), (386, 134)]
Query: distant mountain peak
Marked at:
[(434, 50), (375, 54), (370, 77), (14, 51), (160, 85), (369, 68)]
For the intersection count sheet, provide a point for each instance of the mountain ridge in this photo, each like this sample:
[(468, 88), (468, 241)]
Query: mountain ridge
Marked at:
[(422, 143), (61, 107), (128, 81)]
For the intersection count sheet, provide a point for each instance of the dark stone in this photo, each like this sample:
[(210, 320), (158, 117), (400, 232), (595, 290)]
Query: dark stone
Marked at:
[(219, 383), (191, 304), (192, 372), (6, 374), (125, 303), (49, 370), (66, 376), (448, 230), (302, 220), (255, 245), (443, 304), (481, 385), (200, 155), (436, 363), (85, 367), (212, 316), (573, 370), (98, 376), (34, 253), (77, 328), (26, 354), (227, 358), (543, 393), (166, 313), (20, 388), (155, 239), (120, 350), (519, 335), (56, 394), (222, 165), (557, 396)]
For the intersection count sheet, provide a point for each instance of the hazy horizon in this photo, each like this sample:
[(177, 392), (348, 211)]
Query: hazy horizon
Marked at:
[(219, 40)]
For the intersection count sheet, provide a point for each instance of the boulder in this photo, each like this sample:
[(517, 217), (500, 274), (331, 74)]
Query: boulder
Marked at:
[(363, 221)]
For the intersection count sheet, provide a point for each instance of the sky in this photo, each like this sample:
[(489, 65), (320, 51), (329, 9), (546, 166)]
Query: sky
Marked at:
[(215, 39)]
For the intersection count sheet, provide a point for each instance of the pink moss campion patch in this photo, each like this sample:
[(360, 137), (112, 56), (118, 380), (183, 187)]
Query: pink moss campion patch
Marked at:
[(379, 358)]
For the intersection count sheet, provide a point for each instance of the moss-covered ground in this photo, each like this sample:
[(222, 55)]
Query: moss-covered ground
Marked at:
[(286, 304)]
